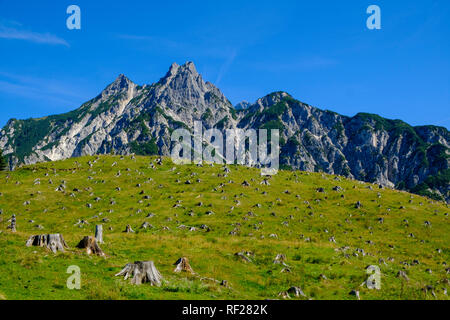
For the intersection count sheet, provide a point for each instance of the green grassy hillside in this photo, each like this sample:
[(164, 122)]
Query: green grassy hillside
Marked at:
[(304, 220)]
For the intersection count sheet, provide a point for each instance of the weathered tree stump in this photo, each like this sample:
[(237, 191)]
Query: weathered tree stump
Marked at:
[(243, 256), (91, 246), (141, 272), (245, 184), (355, 293), (296, 291), (54, 242), (99, 233), (183, 265), (280, 258), (402, 274), (12, 226)]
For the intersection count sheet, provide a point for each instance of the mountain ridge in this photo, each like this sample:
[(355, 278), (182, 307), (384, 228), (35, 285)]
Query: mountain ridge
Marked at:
[(128, 118)]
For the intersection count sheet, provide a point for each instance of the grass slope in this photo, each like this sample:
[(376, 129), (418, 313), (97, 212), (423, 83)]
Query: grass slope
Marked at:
[(294, 216)]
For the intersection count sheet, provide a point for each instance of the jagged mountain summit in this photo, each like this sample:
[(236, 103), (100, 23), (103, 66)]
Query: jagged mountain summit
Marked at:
[(128, 118), (242, 105)]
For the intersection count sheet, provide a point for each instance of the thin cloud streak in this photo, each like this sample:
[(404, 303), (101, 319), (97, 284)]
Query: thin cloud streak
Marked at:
[(36, 88), (226, 66), (50, 86), (42, 38), (32, 93)]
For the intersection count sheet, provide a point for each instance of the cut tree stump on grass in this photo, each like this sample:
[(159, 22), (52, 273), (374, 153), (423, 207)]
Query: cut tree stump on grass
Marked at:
[(54, 242), (91, 246), (12, 226), (128, 229), (280, 258), (141, 272), (183, 265), (99, 233), (243, 256)]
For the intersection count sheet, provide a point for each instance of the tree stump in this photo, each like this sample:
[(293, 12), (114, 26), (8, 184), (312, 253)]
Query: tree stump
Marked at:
[(12, 226), (91, 246), (54, 242), (183, 265), (141, 272), (243, 256), (280, 258), (296, 291), (99, 233)]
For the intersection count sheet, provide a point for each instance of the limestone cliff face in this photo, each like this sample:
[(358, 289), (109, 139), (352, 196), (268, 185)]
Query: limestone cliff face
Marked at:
[(127, 118)]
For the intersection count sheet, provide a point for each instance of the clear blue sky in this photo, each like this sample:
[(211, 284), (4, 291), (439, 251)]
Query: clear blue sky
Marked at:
[(319, 51)]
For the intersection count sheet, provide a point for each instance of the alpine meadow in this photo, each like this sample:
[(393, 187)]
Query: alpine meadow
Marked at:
[(242, 235)]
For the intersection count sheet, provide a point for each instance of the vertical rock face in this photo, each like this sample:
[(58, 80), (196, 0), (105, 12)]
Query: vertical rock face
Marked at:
[(128, 118)]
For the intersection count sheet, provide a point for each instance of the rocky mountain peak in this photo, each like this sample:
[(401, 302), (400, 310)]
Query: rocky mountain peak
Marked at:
[(190, 66), (242, 105), (173, 70), (183, 85), (185, 71), (268, 101), (122, 83), (273, 98)]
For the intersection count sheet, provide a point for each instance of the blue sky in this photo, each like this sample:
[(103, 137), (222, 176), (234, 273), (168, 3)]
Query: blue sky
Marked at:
[(321, 52)]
